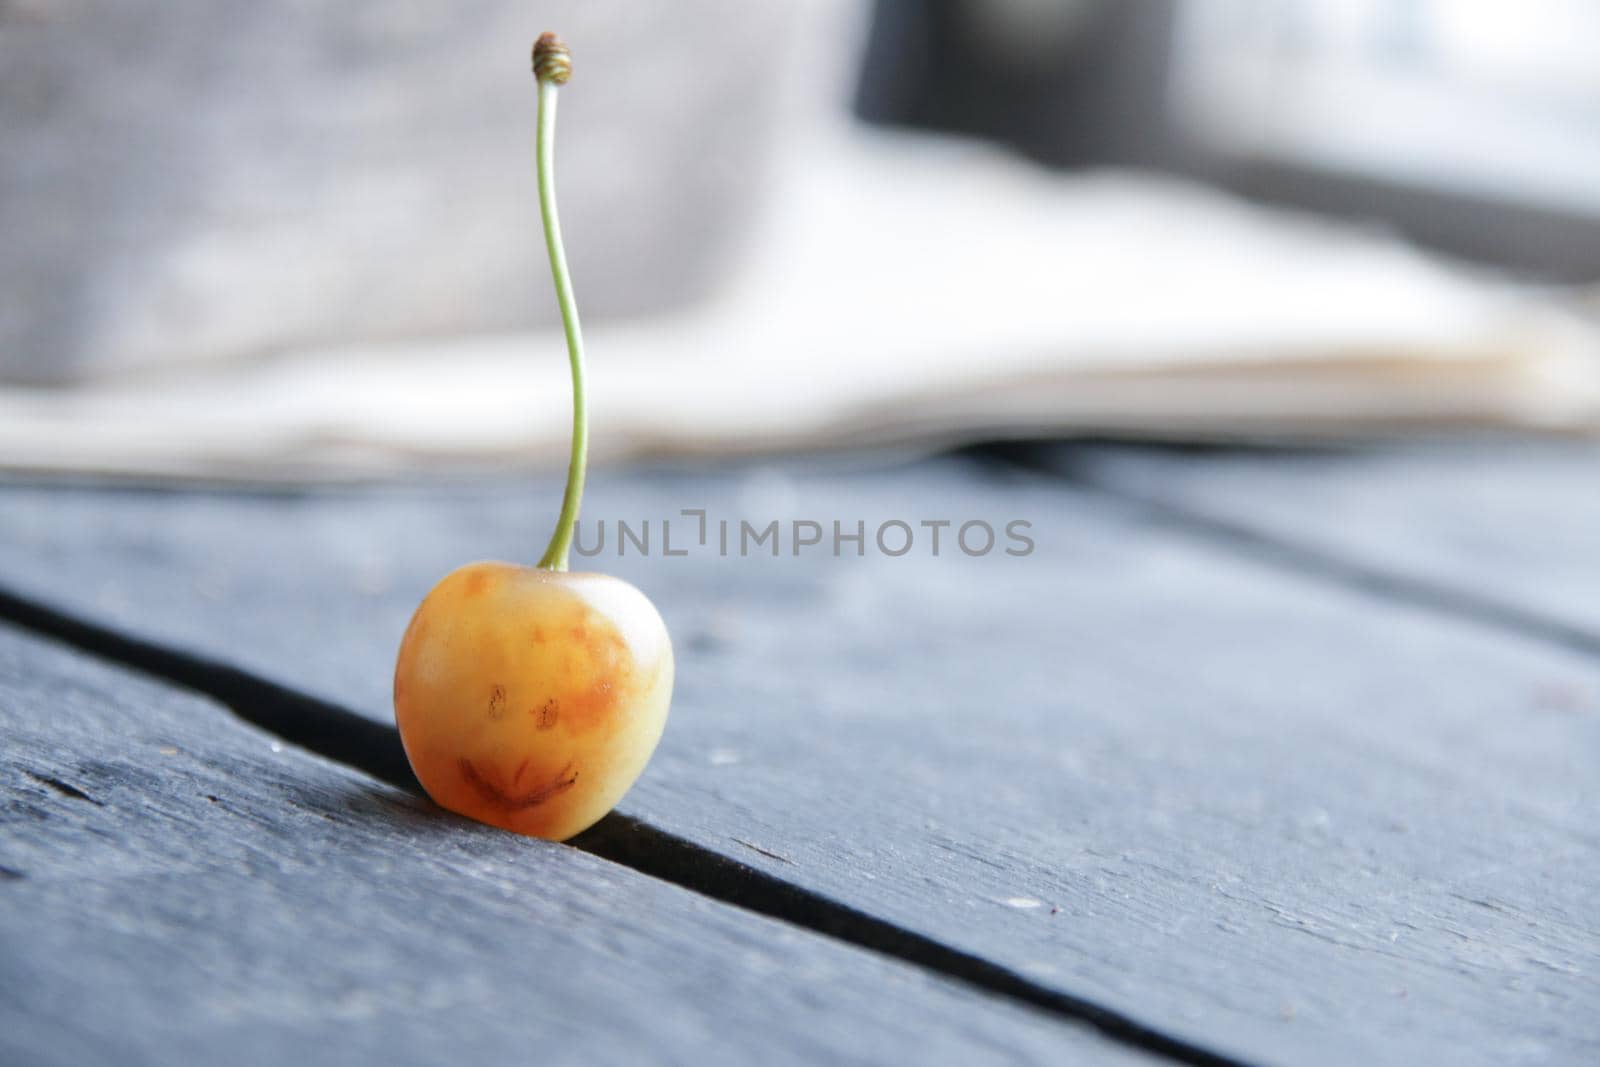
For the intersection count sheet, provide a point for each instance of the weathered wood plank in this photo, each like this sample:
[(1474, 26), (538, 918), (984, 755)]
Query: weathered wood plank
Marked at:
[(178, 887), (1508, 523), (1281, 817)]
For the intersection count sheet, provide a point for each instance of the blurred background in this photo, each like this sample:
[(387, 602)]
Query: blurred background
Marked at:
[(1471, 126), (282, 241)]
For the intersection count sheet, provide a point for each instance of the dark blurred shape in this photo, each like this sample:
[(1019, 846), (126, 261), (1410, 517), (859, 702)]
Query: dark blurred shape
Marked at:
[(1074, 84), (1154, 83)]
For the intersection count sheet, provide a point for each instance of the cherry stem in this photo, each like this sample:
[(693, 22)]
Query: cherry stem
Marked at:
[(552, 64)]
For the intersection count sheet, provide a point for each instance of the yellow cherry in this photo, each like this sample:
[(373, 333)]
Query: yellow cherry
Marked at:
[(531, 698)]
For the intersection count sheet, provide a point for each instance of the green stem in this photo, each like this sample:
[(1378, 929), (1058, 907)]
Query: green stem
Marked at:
[(555, 557)]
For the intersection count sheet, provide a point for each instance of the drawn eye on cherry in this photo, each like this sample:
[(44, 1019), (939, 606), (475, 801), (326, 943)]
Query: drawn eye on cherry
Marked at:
[(531, 698)]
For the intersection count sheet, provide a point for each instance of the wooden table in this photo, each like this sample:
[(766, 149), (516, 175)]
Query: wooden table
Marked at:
[(1257, 757)]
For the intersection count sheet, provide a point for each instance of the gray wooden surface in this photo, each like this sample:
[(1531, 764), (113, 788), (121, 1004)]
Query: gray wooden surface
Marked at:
[(179, 887), (1510, 528), (1261, 809)]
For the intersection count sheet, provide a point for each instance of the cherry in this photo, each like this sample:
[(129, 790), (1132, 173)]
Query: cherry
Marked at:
[(531, 698)]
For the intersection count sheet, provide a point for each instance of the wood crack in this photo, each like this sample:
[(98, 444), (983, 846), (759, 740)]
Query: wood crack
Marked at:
[(1257, 545), (66, 789)]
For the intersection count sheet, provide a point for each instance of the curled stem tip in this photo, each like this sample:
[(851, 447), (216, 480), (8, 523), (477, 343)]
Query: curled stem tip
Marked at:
[(552, 61)]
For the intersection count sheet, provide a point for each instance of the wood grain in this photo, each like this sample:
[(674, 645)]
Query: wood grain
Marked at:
[(178, 887), (1282, 817)]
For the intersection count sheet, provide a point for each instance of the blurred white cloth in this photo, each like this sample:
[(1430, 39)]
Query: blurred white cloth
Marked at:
[(907, 290)]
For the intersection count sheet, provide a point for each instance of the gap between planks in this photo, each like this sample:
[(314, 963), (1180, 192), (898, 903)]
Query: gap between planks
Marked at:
[(373, 748), (1251, 543)]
